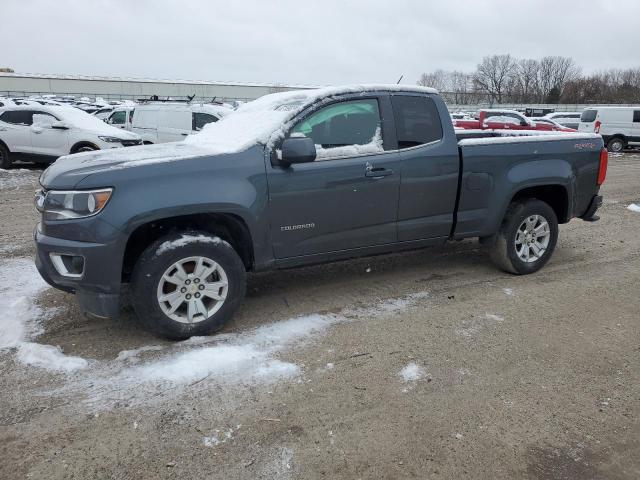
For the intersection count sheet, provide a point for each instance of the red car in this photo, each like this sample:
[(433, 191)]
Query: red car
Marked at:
[(507, 120)]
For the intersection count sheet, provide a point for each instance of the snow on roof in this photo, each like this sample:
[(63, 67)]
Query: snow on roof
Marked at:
[(267, 117), (77, 118)]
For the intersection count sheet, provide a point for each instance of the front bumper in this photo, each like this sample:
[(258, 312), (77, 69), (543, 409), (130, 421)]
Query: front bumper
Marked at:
[(98, 288)]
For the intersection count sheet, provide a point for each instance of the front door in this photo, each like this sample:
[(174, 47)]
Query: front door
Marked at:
[(348, 197), (46, 140)]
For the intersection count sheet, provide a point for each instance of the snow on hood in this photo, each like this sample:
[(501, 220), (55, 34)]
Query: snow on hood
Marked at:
[(84, 121), (265, 119)]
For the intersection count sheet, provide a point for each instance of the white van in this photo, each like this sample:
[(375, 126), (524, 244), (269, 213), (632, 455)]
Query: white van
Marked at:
[(619, 126), (172, 122), (120, 117)]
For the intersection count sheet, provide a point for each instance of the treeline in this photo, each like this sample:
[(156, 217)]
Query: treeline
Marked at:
[(505, 79)]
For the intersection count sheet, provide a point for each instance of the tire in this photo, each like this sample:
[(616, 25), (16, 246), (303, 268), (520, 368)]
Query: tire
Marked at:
[(85, 148), (504, 250), (5, 160), (159, 261), (616, 145)]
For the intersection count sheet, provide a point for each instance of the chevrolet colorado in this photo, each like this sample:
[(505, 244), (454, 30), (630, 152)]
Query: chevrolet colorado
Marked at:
[(297, 178)]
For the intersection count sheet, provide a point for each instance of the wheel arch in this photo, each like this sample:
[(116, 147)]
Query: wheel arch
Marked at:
[(230, 227), (554, 195), (83, 143)]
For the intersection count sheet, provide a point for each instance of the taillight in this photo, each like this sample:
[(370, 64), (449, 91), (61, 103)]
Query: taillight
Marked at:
[(596, 127), (602, 171)]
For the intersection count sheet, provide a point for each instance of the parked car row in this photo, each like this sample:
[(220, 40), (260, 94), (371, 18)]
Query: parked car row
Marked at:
[(619, 126)]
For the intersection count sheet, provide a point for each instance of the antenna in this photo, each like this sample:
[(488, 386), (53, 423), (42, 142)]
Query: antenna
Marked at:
[(400, 79)]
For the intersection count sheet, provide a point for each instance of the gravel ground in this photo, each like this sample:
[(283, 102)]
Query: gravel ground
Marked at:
[(428, 364)]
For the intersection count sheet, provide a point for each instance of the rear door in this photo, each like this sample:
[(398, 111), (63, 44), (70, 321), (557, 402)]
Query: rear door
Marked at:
[(430, 166), (14, 130), (348, 197)]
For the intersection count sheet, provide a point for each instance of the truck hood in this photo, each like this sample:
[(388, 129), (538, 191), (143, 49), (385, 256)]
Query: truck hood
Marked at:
[(68, 171)]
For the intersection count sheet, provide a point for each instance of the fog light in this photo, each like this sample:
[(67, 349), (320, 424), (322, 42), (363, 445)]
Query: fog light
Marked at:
[(68, 265)]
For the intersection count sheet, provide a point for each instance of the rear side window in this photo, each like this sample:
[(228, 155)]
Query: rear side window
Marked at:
[(18, 117), (589, 116), (417, 120), (201, 119), (636, 116)]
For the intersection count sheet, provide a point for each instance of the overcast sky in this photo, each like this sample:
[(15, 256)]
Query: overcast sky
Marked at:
[(306, 41)]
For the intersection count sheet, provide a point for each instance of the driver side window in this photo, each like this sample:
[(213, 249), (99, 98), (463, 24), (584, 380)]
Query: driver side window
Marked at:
[(343, 129), (118, 118)]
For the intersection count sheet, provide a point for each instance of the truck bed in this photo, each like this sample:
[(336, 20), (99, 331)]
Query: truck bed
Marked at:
[(497, 163)]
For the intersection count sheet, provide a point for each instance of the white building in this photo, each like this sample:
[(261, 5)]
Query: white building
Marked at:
[(114, 88)]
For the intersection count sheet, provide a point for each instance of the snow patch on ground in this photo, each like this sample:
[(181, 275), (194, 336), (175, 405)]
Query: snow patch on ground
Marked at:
[(15, 178), (634, 208), (186, 240), (20, 283), (472, 327), (412, 372), (225, 362), (49, 358), (132, 355), (508, 291), (218, 437)]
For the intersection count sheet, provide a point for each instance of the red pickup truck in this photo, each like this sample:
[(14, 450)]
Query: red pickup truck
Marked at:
[(506, 120)]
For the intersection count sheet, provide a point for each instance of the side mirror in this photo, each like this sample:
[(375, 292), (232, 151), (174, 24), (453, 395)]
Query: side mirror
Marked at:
[(297, 150), (60, 126)]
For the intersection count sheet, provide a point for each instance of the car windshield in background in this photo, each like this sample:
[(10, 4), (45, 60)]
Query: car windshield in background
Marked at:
[(589, 116)]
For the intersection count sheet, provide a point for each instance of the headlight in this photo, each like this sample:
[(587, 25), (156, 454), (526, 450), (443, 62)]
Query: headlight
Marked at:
[(110, 139), (64, 205)]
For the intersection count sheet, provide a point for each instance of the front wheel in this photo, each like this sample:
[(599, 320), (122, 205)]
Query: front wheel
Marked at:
[(5, 161), (187, 284), (527, 237)]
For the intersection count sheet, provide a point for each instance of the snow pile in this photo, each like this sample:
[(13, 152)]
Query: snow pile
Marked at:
[(186, 240), (634, 208), (219, 437), (19, 284)]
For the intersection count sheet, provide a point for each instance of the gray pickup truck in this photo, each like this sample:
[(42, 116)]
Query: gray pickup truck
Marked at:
[(298, 178)]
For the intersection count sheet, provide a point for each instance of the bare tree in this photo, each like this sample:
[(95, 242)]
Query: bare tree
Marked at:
[(553, 73), (438, 80), (494, 74)]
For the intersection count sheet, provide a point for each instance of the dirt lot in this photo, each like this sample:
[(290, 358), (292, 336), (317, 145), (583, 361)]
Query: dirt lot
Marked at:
[(428, 364)]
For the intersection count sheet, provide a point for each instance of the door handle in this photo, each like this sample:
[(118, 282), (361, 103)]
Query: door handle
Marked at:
[(184, 134), (376, 172)]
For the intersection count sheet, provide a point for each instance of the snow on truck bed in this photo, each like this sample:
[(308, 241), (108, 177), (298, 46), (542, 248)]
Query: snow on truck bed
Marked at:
[(499, 137)]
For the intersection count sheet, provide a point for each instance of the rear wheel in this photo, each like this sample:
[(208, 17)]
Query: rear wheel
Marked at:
[(187, 284), (5, 161), (616, 145), (527, 237)]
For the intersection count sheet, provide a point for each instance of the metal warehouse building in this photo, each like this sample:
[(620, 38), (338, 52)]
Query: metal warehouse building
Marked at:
[(26, 84)]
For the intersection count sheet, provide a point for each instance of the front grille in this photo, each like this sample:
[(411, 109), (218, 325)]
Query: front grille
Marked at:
[(130, 143)]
